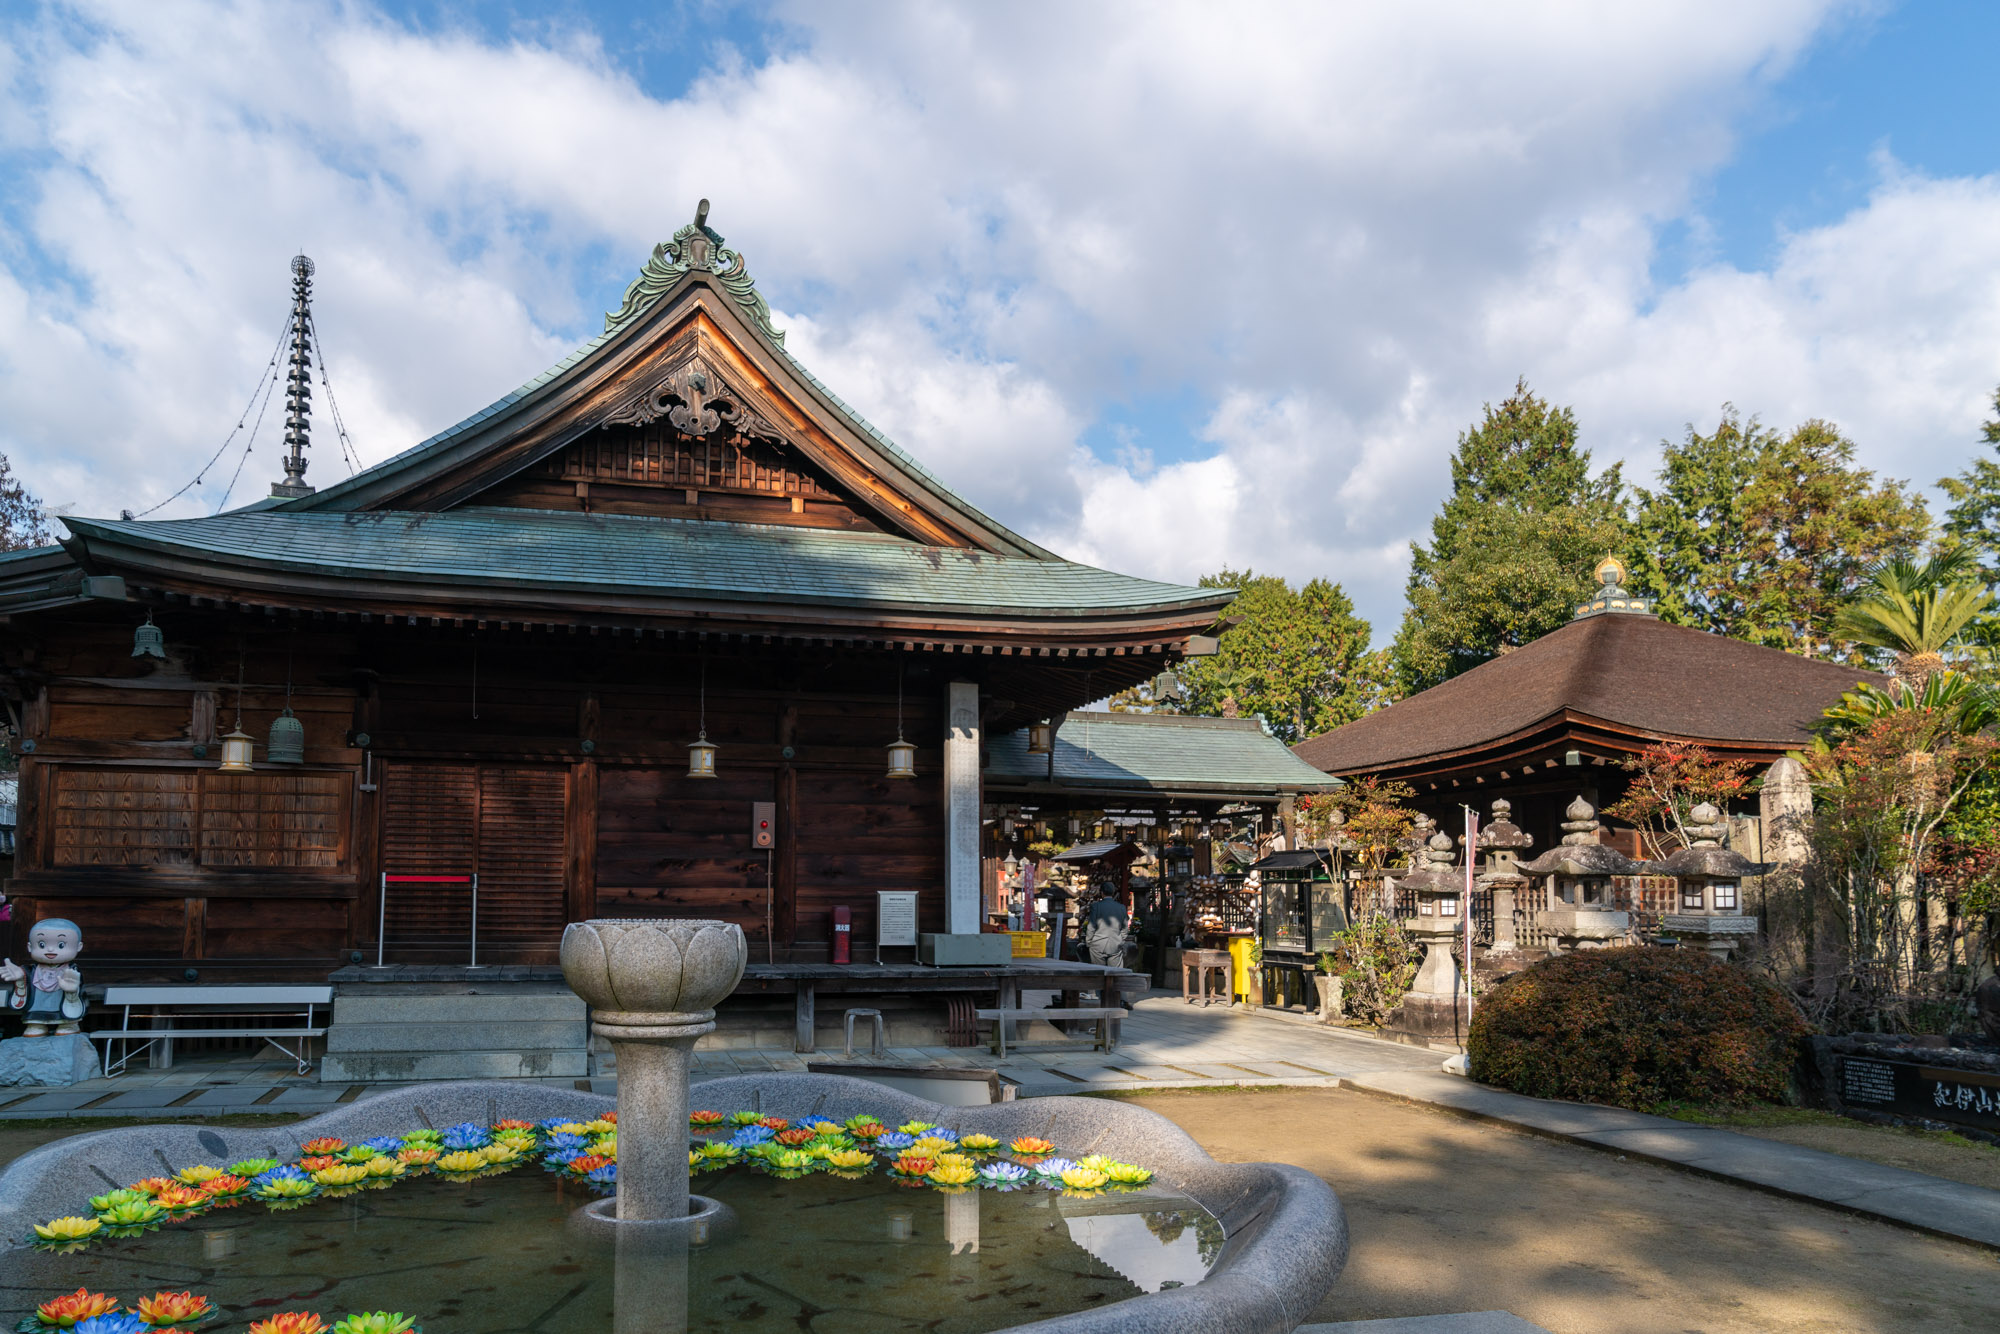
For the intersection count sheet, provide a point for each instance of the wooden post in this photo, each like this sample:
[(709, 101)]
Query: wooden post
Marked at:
[(961, 808), (580, 893), (802, 1017)]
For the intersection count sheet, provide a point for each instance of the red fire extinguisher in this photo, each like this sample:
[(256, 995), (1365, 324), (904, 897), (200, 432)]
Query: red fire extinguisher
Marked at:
[(843, 928)]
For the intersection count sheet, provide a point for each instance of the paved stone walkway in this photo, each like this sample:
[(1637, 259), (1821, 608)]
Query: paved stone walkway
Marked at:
[(1166, 1044)]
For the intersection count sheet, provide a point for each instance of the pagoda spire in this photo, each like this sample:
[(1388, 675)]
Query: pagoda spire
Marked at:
[(298, 384)]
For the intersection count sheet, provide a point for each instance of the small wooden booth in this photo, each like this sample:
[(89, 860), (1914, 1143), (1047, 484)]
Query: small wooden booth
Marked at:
[(1303, 909)]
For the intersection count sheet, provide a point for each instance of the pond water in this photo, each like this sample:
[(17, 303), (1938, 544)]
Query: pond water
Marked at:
[(823, 1254)]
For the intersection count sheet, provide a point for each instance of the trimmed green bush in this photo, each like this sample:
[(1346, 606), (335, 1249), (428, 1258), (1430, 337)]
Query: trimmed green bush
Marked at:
[(1636, 1028)]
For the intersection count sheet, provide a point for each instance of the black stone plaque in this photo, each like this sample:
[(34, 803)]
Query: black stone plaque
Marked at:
[(1935, 1093)]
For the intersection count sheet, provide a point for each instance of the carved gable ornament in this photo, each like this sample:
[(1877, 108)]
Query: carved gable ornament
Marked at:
[(694, 247), (696, 400)]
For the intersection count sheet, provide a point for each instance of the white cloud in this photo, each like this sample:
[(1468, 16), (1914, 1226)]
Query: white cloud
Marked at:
[(1337, 228)]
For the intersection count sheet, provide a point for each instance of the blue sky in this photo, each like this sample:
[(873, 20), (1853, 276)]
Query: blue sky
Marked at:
[(1166, 294)]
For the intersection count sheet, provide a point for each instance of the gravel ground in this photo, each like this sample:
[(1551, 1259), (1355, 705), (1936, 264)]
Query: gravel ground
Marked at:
[(1451, 1215)]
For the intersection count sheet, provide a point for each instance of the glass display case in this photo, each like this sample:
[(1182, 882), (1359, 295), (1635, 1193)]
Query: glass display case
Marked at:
[(1302, 903)]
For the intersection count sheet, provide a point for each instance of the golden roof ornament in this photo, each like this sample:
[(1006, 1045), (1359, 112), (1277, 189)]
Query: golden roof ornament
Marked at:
[(1612, 595)]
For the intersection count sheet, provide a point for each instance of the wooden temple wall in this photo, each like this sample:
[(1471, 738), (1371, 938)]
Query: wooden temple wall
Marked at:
[(566, 799)]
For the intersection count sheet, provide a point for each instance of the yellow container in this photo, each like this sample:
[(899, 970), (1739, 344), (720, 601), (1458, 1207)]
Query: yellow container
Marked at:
[(1030, 944), (1240, 949)]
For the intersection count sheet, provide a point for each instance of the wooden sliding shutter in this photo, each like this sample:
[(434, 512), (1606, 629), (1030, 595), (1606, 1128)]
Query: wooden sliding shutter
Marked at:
[(521, 856), (503, 822)]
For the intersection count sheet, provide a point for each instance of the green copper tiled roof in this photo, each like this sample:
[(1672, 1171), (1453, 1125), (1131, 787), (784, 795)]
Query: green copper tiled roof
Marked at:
[(560, 551), (1142, 750)]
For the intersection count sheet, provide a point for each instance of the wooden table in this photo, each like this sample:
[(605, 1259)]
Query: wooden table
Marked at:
[(1006, 982)]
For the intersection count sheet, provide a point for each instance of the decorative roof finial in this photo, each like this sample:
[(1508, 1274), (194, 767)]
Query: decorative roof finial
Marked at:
[(298, 385), (696, 246), (1612, 595)]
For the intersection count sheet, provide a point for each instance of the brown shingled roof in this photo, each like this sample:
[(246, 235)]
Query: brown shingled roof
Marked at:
[(1633, 673)]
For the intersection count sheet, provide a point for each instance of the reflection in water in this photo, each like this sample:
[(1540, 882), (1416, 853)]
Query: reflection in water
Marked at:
[(1153, 1248), (650, 1281)]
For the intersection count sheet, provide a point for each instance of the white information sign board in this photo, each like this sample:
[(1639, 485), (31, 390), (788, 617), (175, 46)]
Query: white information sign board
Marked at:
[(896, 917)]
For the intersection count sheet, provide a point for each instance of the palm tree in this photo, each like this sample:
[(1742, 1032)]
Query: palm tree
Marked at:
[(1916, 611)]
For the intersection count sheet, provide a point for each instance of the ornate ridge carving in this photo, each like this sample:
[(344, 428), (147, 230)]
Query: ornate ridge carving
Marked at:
[(695, 246), (696, 400)]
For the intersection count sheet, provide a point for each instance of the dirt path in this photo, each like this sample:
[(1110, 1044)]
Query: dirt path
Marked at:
[(1454, 1215)]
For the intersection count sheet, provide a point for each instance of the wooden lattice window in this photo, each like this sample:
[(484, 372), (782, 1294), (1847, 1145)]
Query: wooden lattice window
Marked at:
[(296, 821), (658, 455), (117, 817), (181, 817)]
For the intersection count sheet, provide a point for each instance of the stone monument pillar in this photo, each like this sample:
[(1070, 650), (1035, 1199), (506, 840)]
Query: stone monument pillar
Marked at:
[(652, 986), (1503, 841)]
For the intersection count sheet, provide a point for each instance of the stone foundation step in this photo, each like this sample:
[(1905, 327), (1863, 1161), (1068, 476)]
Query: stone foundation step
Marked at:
[(484, 1035), (396, 1005), (373, 1067), (430, 1030)]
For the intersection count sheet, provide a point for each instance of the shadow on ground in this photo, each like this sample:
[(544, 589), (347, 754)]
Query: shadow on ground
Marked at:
[(1454, 1215)]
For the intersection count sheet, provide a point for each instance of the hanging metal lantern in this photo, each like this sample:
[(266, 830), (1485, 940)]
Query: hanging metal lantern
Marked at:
[(147, 641), (288, 740), (1041, 737), (237, 748), (701, 752), (701, 757), (902, 755)]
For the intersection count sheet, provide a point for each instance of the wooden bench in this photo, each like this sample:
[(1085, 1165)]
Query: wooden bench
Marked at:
[(281, 1013), (1102, 1014)]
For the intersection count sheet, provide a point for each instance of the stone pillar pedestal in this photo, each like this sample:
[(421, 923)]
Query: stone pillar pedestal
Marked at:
[(652, 1051), (652, 986), (1503, 918)]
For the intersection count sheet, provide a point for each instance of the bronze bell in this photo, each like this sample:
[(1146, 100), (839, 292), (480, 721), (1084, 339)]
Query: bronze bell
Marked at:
[(288, 740), (148, 641)]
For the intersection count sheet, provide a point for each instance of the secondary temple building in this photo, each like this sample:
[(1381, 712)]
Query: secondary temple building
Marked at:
[(667, 631), (1555, 720)]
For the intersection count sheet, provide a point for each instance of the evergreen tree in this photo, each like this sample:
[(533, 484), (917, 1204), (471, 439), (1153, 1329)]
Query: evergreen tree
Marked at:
[(1763, 536), (1513, 547), (1973, 521), (23, 523), (1693, 533), (1298, 657), (1816, 525)]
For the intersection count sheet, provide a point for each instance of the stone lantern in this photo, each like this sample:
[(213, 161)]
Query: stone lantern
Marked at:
[(1429, 1012), (1711, 887), (1580, 914), (1503, 842)]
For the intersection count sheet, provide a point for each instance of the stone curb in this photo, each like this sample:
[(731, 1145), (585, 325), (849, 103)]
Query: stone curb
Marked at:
[(1287, 1235), (1914, 1200)]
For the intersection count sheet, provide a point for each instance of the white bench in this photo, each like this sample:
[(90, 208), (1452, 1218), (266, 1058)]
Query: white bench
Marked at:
[(277, 1014)]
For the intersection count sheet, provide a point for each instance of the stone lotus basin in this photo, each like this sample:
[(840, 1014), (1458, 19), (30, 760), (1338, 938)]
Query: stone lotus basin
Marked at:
[(1286, 1235)]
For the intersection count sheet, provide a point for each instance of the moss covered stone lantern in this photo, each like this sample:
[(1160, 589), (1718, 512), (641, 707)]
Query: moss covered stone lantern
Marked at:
[(1582, 913), (1711, 887)]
